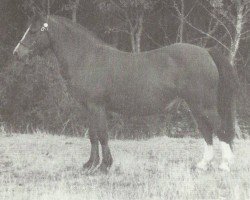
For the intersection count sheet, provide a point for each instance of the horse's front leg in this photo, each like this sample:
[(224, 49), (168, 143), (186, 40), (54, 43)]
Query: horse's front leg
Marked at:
[(107, 159), (94, 158), (98, 132)]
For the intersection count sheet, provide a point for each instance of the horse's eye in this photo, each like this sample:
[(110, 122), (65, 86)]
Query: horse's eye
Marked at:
[(44, 27)]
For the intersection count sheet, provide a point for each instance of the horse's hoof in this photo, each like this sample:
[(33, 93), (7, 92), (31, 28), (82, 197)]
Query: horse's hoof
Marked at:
[(100, 170), (90, 167), (103, 169), (202, 166), (87, 165), (90, 171), (224, 166)]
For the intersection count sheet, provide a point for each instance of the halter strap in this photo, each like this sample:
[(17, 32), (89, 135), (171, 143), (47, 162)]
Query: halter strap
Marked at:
[(21, 43)]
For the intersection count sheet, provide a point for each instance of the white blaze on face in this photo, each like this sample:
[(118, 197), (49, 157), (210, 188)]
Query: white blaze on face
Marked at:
[(26, 32)]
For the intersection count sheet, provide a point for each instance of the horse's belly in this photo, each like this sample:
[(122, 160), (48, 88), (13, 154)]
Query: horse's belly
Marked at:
[(139, 103), (126, 106)]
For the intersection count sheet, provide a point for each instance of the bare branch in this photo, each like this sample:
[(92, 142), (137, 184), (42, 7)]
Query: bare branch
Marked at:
[(176, 8), (195, 39), (215, 17), (246, 37), (203, 32), (191, 9), (246, 32), (152, 39), (117, 6), (117, 30)]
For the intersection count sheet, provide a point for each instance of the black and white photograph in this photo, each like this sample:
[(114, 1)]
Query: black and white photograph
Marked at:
[(124, 99)]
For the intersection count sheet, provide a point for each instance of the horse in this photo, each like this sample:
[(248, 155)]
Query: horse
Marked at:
[(102, 78)]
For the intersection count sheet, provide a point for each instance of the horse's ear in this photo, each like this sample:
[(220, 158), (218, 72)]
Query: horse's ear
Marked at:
[(35, 11), (38, 14)]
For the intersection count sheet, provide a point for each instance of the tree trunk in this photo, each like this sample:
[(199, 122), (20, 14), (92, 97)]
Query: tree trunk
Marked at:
[(239, 27), (235, 47), (182, 15), (139, 34), (138, 42), (136, 34), (48, 8), (74, 11), (133, 43)]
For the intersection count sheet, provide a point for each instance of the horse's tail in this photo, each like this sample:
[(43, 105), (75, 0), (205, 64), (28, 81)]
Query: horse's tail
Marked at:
[(228, 88)]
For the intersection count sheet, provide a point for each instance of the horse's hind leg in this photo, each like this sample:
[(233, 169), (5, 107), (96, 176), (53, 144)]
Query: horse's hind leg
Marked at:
[(207, 120), (226, 135)]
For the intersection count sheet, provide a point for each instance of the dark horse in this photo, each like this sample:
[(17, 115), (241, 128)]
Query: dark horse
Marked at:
[(103, 79)]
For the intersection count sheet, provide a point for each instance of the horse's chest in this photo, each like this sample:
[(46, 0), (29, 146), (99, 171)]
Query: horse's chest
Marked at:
[(89, 83)]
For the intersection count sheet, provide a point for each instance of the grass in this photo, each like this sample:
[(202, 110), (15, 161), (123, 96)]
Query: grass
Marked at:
[(43, 166)]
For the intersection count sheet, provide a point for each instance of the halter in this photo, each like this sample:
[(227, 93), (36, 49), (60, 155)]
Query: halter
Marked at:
[(45, 26), (21, 43)]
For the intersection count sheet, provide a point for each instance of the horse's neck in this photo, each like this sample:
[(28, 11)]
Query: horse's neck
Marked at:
[(70, 47)]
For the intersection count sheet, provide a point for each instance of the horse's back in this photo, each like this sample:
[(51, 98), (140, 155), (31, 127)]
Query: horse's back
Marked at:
[(192, 71), (185, 56), (153, 79)]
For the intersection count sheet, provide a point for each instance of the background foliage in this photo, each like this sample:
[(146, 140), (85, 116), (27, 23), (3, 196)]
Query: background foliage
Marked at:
[(34, 96)]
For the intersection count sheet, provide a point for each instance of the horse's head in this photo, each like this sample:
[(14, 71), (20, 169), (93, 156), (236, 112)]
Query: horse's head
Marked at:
[(35, 40)]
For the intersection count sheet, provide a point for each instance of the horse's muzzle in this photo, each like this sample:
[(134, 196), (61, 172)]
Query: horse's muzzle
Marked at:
[(21, 52)]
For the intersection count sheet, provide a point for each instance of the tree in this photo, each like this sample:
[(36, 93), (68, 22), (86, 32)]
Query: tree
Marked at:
[(241, 19), (130, 15), (180, 9), (72, 6), (233, 16)]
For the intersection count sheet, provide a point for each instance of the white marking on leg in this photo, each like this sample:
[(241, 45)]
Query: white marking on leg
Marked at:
[(227, 156), (207, 157), (26, 32), (227, 153)]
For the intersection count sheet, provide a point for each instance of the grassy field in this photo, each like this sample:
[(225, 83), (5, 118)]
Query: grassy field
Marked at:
[(43, 166)]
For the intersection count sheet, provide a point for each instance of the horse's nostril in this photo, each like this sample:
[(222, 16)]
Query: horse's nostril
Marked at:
[(16, 56), (15, 52)]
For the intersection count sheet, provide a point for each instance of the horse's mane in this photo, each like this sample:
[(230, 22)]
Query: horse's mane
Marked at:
[(75, 27), (81, 30)]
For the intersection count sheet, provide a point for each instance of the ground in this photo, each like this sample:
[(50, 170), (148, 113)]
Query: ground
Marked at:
[(43, 166)]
